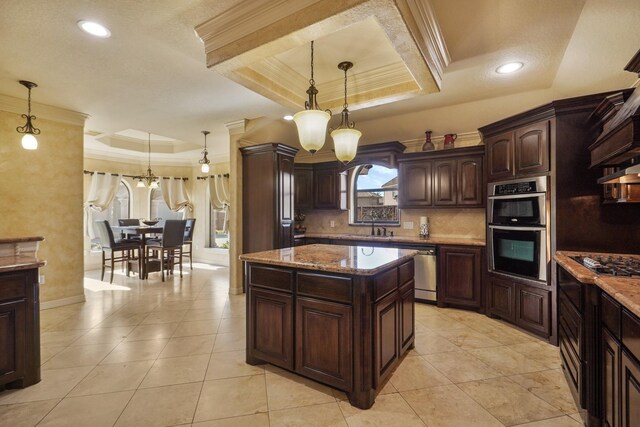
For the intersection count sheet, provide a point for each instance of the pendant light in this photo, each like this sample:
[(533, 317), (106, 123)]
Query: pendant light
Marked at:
[(204, 161), (29, 141), (345, 137), (312, 121), (149, 180)]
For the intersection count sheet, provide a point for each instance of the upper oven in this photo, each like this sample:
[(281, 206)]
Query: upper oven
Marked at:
[(518, 202)]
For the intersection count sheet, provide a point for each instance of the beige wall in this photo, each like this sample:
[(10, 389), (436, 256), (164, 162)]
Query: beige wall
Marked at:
[(140, 203), (41, 194)]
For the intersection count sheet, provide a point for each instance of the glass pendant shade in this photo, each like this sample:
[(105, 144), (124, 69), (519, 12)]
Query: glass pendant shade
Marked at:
[(204, 168), (29, 142), (312, 128), (345, 142), (140, 184), (154, 184)]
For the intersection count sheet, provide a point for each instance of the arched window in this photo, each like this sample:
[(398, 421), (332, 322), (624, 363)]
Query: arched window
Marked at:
[(119, 208), (374, 195), (159, 209)]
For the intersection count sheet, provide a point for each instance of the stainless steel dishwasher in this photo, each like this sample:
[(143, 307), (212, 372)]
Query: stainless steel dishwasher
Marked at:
[(425, 273)]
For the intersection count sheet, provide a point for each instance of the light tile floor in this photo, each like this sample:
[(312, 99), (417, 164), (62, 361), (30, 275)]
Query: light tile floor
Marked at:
[(147, 353)]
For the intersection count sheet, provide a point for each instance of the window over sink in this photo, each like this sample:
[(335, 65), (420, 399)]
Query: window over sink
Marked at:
[(374, 195)]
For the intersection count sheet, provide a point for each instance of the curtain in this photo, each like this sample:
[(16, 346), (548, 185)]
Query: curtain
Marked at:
[(102, 192), (174, 193), (219, 196)]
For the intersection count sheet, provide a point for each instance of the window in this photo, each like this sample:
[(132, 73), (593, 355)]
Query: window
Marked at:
[(118, 209), (159, 209), (218, 229), (374, 195)]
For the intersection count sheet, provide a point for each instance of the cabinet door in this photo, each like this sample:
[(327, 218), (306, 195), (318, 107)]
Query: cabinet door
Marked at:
[(323, 342), (325, 188), (460, 276), (630, 381), (533, 310), (470, 182), (610, 380), (386, 345), (407, 316), (444, 177), (286, 222), (271, 327), (303, 193), (414, 184), (12, 340), (501, 299), (532, 149), (500, 156)]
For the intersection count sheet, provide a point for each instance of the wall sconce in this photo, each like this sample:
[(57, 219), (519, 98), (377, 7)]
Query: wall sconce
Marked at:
[(29, 141)]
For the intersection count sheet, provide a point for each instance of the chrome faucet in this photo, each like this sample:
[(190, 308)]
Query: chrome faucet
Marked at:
[(372, 223)]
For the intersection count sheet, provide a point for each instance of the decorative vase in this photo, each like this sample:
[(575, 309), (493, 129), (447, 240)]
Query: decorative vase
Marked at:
[(449, 139), (428, 145)]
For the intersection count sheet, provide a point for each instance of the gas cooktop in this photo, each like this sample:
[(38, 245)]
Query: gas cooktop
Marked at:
[(611, 265)]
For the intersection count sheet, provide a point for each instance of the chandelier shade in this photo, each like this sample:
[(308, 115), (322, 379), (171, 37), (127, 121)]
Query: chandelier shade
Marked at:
[(29, 140), (204, 161)]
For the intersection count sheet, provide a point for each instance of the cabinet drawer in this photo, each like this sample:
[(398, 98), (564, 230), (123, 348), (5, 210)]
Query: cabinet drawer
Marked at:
[(385, 283), (333, 288), (405, 272), (273, 278), (572, 366), (571, 288), (571, 322), (13, 287), (631, 333), (611, 315)]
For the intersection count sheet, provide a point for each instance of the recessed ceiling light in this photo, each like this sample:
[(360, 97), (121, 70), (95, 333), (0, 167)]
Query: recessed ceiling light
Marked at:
[(509, 67), (288, 117), (94, 29)]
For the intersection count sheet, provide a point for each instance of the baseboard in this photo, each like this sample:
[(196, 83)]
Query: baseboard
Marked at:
[(62, 301)]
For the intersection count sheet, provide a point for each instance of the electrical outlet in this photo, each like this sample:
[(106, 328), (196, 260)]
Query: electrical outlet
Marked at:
[(407, 225), (333, 224), (41, 279)]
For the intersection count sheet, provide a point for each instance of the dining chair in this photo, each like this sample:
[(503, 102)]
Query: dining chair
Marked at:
[(172, 239), (113, 246), (188, 240)]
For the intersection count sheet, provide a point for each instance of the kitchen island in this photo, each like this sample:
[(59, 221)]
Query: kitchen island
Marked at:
[(340, 315)]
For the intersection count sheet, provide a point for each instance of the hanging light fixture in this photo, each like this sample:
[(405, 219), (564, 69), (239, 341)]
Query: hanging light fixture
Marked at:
[(345, 137), (204, 161), (149, 180), (312, 121), (29, 141)]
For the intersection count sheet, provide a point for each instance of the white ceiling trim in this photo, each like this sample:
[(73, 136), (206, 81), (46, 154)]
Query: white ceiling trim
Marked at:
[(42, 111)]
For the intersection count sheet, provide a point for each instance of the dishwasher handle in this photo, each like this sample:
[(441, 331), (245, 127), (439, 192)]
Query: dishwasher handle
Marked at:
[(429, 252)]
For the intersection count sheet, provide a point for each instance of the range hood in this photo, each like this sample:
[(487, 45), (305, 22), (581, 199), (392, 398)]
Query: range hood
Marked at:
[(618, 145)]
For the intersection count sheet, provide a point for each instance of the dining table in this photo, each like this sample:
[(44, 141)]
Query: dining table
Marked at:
[(143, 231)]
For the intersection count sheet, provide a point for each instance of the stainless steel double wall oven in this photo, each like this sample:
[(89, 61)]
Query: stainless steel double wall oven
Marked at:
[(517, 221)]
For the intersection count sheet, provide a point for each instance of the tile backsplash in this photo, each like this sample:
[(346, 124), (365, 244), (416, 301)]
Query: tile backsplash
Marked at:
[(464, 223)]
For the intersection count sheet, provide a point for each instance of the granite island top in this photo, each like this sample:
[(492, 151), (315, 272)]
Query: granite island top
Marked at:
[(432, 240), (21, 239), (356, 260), (15, 263), (625, 290)]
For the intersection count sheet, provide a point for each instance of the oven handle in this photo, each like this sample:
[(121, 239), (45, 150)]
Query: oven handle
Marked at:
[(517, 196), (506, 227)]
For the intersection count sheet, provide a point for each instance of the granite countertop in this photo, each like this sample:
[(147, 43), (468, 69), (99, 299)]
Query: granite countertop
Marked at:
[(21, 239), (398, 239), (14, 263), (625, 290), (356, 260)]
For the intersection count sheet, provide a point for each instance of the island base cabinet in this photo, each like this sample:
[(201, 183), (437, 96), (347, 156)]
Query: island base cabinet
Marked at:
[(270, 335), (323, 342), (12, 334), (610, 380), (387, 349), (407, 316), (630, 405)]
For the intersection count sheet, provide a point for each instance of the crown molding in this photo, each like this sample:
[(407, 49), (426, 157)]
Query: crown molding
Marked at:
[(42, 111), (96, 154), (237, 127)]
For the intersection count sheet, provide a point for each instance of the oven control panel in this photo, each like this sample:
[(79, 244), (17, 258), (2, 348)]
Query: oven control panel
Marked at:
[(516, 188)]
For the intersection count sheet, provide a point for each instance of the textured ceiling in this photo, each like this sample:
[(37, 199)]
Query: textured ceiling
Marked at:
[(151, 74)]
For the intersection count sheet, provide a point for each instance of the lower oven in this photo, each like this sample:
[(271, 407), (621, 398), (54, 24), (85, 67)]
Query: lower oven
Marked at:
[(519, 251)]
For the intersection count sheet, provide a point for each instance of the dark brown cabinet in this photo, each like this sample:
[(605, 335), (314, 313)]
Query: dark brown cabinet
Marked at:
[(19, 329), (407, 315), (630, 382), (303, 179), (533, 309), (460, 276), (610, 380), (501, 298), (387, 348), (523, 151), (326, 190), (267, 197), (445, 178)]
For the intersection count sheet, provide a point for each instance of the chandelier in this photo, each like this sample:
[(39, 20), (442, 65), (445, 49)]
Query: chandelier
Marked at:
[(29, 141), (345, 137), (149, 180), (204, 161), (312, 121)]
